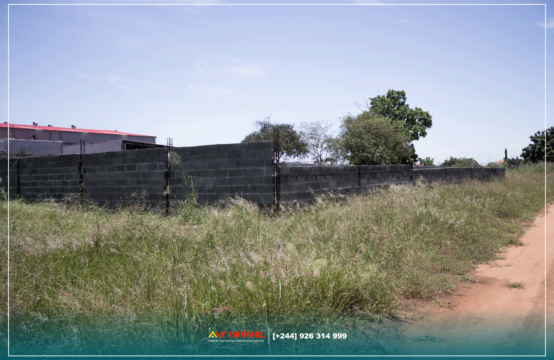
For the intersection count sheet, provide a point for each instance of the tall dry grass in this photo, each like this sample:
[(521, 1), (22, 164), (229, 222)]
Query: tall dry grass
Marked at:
[(348, 255), (88, 280)]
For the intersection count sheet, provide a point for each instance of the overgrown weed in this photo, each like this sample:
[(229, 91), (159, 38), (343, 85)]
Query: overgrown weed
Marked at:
[(515, 285)]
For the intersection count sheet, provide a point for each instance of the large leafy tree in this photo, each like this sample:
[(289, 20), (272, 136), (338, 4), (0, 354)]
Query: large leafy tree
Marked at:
[(460, 162), (290, 143), (535, 151), (369, 139), (415, 121)]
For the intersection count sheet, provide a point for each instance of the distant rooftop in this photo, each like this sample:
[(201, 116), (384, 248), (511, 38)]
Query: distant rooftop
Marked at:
[(72, 129)]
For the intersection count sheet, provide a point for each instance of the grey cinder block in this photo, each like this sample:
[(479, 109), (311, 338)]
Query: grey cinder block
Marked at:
[(207, 157), (197, 150), (235, 172), (234, 156)]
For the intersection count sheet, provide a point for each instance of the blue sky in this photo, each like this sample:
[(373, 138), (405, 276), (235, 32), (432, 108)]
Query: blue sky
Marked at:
[(205, 74)]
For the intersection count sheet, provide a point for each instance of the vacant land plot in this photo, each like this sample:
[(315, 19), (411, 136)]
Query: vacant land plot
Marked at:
[(325, 265)]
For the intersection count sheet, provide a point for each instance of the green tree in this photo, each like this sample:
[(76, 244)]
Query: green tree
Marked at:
[(291, 145), (415, 121), (428, 161), (535, 151), (370, 139), (460, 162), (514, 161)]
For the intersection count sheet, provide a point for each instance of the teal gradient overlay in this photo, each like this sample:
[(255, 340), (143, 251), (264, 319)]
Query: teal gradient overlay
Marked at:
[(154, 335)]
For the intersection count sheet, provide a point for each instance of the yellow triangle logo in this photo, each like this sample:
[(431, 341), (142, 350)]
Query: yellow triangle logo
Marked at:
[(212, 334)]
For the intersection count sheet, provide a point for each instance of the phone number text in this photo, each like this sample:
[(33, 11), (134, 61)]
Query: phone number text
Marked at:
[(308, 336)]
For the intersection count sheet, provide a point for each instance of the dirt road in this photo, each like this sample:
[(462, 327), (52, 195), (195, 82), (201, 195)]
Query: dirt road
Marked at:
[(489, 317)]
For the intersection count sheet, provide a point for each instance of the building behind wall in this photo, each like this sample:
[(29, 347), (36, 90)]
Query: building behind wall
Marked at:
[(69, 136), (34, 147), (50, 140), (108, 146)]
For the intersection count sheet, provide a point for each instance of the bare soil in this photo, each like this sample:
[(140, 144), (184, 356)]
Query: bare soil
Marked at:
[(488, 316)]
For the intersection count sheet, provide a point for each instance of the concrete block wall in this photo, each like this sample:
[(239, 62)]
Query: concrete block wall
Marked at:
[(303, 183), (482, 174), (458, 175), (497, 172), (485, 174), (429, 174), (228, 169), (49, 177), (216, 170), (112, 178), (8, 168), (371, 177)]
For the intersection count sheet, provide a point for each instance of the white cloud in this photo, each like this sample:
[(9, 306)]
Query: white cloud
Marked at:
[(183, 6), (229, 66), (549, 24), (211, 90), (403, 21), (201, 66), (224, 58), (128, 44), (104, 13), (119, 81), (245, 72)]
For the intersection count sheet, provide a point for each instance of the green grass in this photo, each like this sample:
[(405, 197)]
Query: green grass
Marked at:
[(531, 168), (322, 265), (515, 285), (469, 280)]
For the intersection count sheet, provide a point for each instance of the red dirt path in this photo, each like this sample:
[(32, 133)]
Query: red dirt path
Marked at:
[(489, 314)]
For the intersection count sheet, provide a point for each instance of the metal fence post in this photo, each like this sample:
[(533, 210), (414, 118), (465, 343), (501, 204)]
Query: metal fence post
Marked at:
[(359, 175), (18, 176), (81, 176), (168, 176), (276, 169)]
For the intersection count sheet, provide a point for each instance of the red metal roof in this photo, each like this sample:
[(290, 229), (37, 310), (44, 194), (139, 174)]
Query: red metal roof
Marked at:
[(77, 130)]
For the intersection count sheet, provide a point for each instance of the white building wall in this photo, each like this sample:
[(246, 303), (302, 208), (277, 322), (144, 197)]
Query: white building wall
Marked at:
[(35, 147), (92, 148)]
